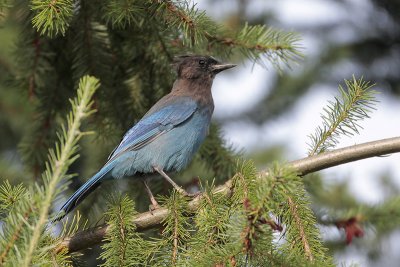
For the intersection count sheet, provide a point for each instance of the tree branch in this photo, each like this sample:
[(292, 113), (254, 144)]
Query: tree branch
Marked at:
[(146, 220), (299, 224)]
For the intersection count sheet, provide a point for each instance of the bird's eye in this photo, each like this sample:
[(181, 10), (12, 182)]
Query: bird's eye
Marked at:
[(201, 62)]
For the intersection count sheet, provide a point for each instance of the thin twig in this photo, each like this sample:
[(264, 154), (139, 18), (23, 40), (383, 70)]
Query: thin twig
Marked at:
[(14, 237), (59, 159), (175, 11), (230, 42), (123, 237), (146, 220), (175, 250), (298, 221)]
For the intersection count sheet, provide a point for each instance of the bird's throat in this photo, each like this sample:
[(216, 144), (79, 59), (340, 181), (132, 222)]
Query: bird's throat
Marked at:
[(198, 89), (192, 86)]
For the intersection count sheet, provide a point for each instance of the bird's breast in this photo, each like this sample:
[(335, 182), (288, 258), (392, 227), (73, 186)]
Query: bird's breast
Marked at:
[(171, 151)]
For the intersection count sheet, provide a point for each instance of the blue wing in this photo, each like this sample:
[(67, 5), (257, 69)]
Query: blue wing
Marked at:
[(157, 121), (169, 112)]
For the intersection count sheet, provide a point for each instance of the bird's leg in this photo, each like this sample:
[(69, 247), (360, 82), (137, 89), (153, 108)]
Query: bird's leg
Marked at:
[(177, 187), (154, 202)]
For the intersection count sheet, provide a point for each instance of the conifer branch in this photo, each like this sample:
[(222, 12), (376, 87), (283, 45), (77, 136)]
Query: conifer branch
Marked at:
[(176, 224), (258, 43), (60, 159), (303, 166), (123, 14), (345, 155), (15, 236), (175, 239), (342, 115), (122, 236), (281, 192), (261, 44), (299, 223), (34, 58), (15, 210), (193, 23), (52, 16)]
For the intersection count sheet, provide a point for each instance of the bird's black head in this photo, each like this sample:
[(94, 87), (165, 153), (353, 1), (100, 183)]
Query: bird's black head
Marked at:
[(194, 67)]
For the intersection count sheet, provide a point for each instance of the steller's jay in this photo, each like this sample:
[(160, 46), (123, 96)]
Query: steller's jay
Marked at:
[(168, 135)]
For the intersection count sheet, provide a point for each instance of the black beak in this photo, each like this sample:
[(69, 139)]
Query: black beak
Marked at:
[(220, 67)]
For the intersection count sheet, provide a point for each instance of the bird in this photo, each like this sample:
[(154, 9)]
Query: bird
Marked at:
[(167, 136)]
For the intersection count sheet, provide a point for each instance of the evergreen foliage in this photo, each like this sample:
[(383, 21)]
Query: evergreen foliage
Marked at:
[(235, 230), (128, 46), (282, 194), (342, 115), (28, 210), (268, 45), (52, 17), (121, 14), (123, 247)]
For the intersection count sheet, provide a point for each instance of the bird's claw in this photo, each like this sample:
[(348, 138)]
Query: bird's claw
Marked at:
[(153, 207), (192, 195)]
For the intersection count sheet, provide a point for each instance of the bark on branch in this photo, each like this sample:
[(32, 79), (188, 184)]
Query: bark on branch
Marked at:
[(146, 220)]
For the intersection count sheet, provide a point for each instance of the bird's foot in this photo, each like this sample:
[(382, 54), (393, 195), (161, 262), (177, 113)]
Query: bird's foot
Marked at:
[(192, 195), (177, 187), (153, 207)]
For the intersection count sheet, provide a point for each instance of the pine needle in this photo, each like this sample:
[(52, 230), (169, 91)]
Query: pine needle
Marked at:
[(342, 116)]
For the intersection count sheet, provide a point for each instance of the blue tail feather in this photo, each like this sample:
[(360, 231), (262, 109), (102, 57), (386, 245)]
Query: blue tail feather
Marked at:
[(84, 191)]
